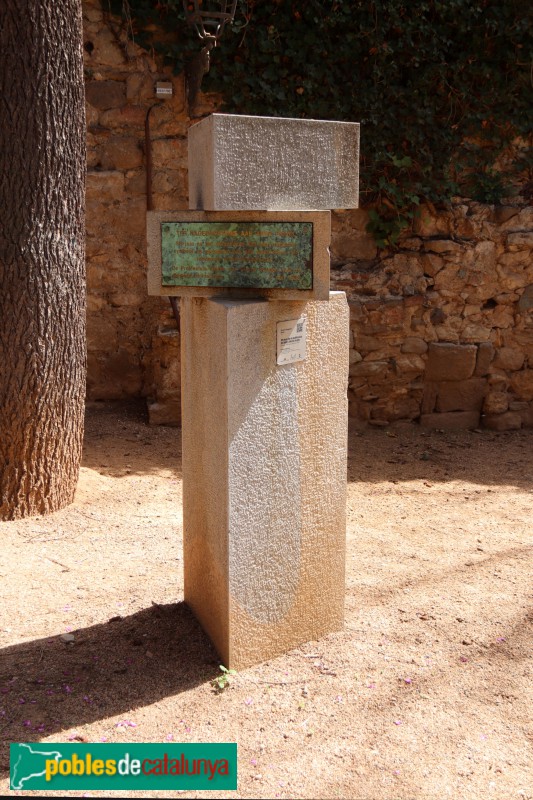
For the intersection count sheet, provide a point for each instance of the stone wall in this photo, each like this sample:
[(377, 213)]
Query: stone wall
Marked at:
[(442, 328), (133, 340)]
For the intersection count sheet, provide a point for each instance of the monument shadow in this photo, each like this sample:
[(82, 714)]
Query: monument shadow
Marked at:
[(49, 685)]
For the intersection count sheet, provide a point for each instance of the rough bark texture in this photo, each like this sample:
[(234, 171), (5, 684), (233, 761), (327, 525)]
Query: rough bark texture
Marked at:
[(42, 269)]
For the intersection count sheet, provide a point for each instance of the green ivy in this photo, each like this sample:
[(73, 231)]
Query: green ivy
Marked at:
[(442, 89)]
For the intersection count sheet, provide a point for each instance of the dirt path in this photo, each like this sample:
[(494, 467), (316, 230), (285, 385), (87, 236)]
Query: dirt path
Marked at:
[(426, 694)]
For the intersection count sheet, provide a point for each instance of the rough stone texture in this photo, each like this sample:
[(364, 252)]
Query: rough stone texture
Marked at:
[(461, 395), (451, 421), (496, 403), (264, 458), (273, 163), (509, 358), (450, 362), (130, 349), (508, 421), (485, 355)]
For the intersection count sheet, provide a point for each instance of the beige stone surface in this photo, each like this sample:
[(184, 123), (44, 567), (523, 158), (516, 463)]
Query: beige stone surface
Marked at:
[(264, 460), (321, 238), (273, 163)]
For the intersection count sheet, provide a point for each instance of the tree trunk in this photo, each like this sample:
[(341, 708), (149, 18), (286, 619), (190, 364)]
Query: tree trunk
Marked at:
[(42, 258)]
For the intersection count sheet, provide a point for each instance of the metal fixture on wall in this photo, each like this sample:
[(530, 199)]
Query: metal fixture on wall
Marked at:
[(209, 18)]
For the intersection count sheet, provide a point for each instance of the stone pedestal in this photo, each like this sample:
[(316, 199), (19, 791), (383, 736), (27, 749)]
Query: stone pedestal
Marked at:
[(264, 474), (264, 378)]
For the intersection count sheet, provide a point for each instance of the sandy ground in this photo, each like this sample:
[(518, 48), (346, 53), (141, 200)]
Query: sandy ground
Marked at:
[(427, 693)]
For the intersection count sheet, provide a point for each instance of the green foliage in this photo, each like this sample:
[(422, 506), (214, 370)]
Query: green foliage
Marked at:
[(442, 88), (223, 681)]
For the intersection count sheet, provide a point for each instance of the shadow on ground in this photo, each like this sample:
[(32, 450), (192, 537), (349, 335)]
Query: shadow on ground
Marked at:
[(119, 441), (409, 453), (47, 686)]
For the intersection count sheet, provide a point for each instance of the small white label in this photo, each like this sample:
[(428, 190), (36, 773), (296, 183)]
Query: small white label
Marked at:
[(292, 335), (163, 90)]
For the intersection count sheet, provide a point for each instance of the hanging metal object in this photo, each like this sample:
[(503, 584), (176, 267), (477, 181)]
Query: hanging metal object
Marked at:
[(209, 18)]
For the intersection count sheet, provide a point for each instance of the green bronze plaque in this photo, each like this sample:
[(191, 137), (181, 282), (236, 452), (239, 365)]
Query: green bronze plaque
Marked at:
[(238, 255)]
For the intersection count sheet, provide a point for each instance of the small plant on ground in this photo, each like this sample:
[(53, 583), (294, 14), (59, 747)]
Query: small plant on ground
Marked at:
[(222, 681)]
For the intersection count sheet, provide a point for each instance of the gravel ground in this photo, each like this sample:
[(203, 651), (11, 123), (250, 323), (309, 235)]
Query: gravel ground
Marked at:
[(427, 693)]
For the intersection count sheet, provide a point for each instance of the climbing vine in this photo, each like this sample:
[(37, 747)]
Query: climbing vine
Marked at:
[(442, 88)]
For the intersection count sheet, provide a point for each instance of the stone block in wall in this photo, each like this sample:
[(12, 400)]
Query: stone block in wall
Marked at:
[(109, 51), (105, 94), (409, 363), (171, 153), (429, 397), (485, 354), (501, 317), (123, 373), (412, 344), (121, 153), (396, 407), (521, 221), (102, 333), (508, 358), (520, 239), (471, 332), (451, 421), (126, 117), (526, 300), (369, 369), (461, 395), (350, 241), (429, 222), (127, 221), (525, 410), (445, 246), (510, 421), (140, 86), (450, 362), (496, 402), (521, 384), (104, 186), (432, 264)]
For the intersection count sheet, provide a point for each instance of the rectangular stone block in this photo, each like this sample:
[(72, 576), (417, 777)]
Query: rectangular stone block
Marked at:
[(450, 362), (451, 420), (281, 255), (465, 395), (273, 163), (264, 474)]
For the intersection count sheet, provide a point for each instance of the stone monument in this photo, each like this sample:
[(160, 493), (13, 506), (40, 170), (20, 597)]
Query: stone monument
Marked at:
[(264, 378)]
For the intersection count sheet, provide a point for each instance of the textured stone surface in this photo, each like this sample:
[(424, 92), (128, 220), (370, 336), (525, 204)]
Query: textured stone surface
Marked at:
[(485, 355), (264, 458), (509, 421), (496, 403), (321, 238), (451, 421), (273, 163), (509, 358), (521, 384), (450, 362), (461, 395)]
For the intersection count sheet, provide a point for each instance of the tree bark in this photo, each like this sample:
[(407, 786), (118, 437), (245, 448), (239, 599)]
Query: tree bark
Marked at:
[(42, 254)]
